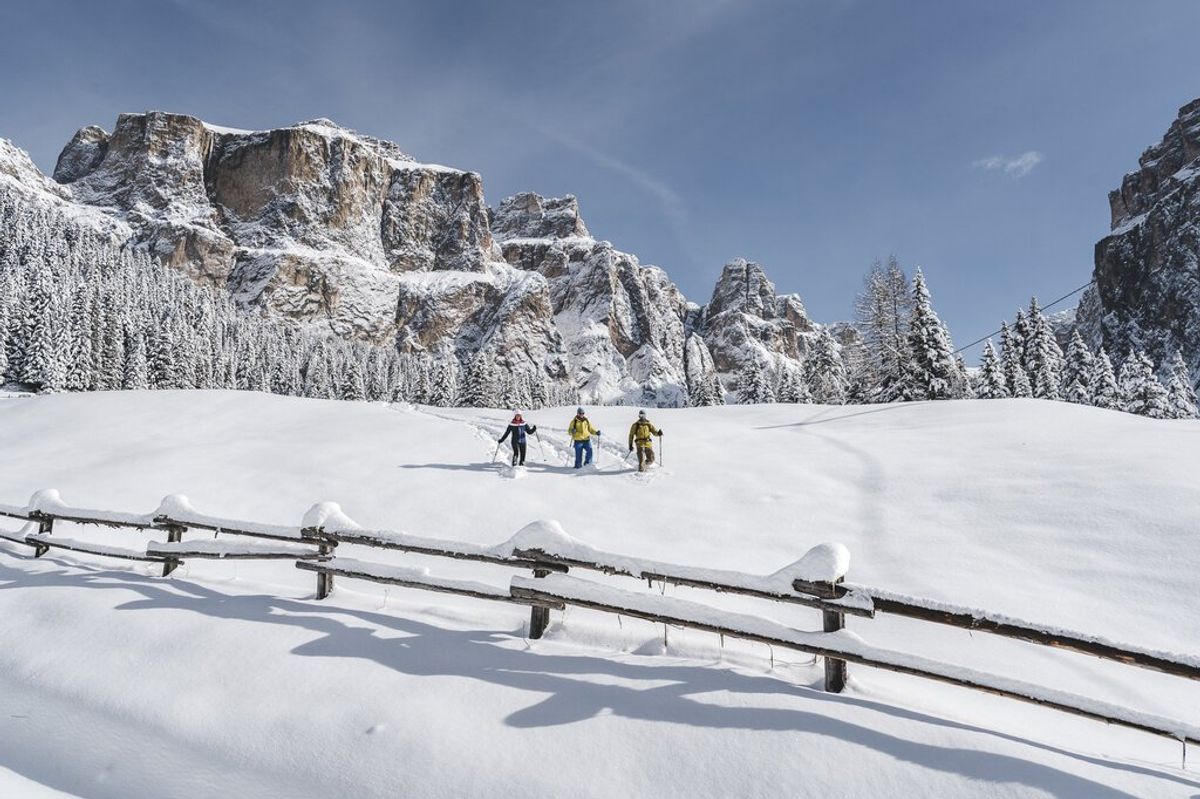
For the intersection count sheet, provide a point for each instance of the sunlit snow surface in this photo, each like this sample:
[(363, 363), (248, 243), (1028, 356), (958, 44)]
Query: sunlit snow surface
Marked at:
[(227, 679)]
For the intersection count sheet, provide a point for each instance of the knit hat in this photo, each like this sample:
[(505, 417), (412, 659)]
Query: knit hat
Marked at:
[(579, 411), (641, 414)]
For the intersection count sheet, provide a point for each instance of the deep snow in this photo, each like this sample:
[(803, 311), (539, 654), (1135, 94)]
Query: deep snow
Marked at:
[(227, 679)]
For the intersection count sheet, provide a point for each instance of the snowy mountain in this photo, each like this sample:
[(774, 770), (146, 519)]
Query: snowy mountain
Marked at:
[(328, 227), (228, 679), (1147, 270)]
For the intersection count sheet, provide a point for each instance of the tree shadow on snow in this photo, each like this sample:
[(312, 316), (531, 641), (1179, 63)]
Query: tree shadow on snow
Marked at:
[(675, 694)]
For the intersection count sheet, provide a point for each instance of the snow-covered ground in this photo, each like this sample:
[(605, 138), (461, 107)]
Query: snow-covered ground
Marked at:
[(227, 679)]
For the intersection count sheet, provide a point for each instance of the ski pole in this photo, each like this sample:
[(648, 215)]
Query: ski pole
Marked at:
[(540, 447), (496, 453), (662, 451)]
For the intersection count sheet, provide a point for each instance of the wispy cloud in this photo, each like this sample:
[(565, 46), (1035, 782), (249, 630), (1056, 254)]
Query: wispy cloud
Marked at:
[(1016, 166), (668, 199)]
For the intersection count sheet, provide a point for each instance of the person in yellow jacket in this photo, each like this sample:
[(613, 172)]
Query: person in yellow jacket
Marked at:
[(639, 434), (581, 432)]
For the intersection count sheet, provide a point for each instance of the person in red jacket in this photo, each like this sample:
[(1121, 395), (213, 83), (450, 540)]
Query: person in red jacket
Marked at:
[(519, 431)]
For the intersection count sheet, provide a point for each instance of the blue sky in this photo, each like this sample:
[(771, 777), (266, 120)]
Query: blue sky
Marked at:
[(977, 140)]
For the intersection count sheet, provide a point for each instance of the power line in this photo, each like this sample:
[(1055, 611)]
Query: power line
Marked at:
[(1044, 308)]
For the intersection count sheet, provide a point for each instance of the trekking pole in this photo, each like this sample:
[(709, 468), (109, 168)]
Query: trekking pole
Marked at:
[(496, 453), (662, 452), (540, 447)]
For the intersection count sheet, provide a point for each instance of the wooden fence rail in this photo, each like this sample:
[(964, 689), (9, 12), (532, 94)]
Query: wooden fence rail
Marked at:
[(313, 547)]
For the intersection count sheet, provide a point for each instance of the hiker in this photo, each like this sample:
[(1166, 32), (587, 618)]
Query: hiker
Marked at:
[(581, 432), (519, 431), (639, 434)]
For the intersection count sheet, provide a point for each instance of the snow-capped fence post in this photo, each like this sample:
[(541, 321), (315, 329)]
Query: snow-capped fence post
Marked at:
[(835, 670), (324, 578), (820, 573), (539, 615), (174, 536), (45, 527)]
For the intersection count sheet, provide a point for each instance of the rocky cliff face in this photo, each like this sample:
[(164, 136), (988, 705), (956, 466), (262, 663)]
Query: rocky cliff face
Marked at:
[(326, 226), (1147, 270), (747, 322), (623, 323), (313, 221)]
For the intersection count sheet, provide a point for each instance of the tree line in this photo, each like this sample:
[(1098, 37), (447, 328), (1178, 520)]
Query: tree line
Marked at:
[(903, 352), (79, 312)]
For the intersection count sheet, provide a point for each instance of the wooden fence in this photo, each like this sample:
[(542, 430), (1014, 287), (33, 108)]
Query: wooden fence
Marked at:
[(550, 557)]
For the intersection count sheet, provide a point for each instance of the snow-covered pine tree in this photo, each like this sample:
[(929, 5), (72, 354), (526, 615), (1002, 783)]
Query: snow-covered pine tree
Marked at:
[(443, 387), (1141, 392), (932, 371), (753, 387), (137, 370), (481, 383), (1022, 332), (1105, 393), (992, 383), (1181, 395), (44, 365), (1043, 356), (1016, 381), (962, 387), (4, 317), (353, 387), (1077, 371), (825, 373)]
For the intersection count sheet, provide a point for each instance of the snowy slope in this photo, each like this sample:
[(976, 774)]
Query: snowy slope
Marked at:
[(228, 679)]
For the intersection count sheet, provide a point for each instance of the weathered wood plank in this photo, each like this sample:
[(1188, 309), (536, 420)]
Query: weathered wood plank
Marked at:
[(350, 537), (662, 575), (832, 651), (460, 588), (56, 542), (1012, 628)]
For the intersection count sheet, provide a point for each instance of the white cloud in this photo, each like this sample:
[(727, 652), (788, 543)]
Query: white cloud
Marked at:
[(1017, 166)]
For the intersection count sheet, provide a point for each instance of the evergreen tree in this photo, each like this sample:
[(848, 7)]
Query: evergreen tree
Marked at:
[(1077, 371), (1103, 383), (992, 383), (137, 370), (752, 384), (481, 384), (1043, 356), (353, 387), (825, 373), (443, 387), (1141, 393), (1181, 395), (1015, 378), (932, 372)]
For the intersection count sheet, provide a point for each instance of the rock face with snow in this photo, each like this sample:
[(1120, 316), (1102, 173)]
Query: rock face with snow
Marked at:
[(624, 324), (1147, 270), (747, 322), (314, 221), (325, 226)]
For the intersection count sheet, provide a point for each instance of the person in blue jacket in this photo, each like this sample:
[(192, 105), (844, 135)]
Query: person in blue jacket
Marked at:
[(519, 431)]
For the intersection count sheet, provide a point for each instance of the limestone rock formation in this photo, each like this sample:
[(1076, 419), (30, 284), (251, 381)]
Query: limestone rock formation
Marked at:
[(747, 322), (623, 323), (1147, 270)]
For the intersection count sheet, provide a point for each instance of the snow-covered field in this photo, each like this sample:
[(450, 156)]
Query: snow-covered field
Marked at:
[(227, 679)]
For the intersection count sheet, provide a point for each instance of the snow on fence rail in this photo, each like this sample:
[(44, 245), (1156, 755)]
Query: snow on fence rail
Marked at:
[(815, 581)]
